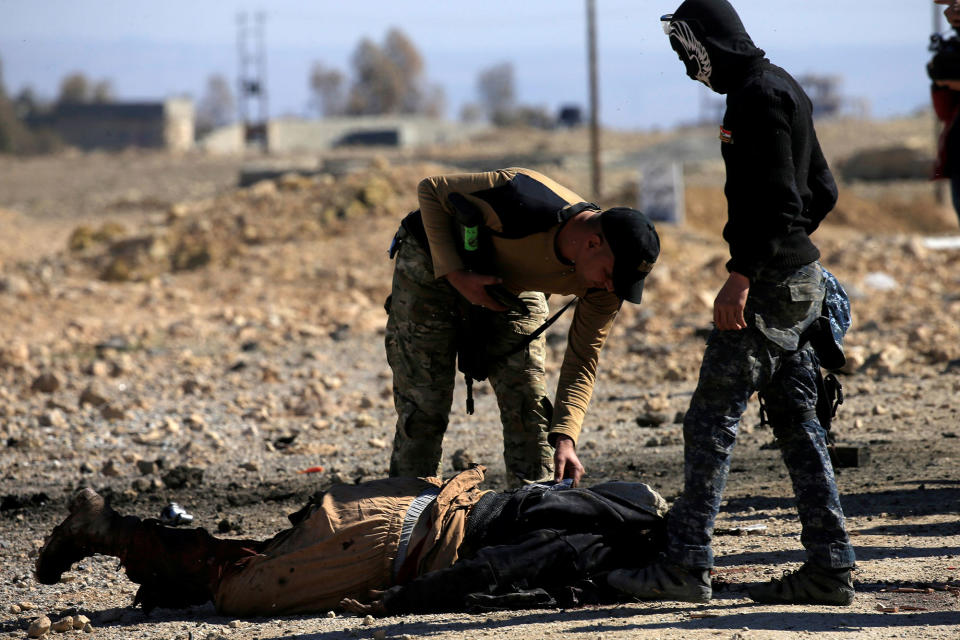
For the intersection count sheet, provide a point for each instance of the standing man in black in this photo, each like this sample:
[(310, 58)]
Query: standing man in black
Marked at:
[(778, 190)]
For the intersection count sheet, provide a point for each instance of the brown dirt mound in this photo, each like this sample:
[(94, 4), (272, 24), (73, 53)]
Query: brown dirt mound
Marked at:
[(888, 208)]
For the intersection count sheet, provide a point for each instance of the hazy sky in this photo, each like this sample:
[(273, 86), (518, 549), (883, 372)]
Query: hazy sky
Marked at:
[(155, 49)]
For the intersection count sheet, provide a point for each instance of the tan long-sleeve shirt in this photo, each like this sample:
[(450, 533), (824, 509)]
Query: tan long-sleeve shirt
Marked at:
[(529, 263)]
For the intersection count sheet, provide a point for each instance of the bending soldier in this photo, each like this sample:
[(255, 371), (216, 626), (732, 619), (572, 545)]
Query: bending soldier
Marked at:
[(535, 236)]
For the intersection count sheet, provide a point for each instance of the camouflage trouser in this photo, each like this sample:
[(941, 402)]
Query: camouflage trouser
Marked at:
[(421, 349), (763, 357)]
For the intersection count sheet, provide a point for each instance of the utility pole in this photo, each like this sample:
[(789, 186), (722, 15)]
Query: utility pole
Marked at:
[(594, 99), (252, 79)]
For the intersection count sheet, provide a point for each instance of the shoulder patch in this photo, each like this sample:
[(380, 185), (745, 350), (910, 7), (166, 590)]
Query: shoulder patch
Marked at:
[(726, 136)]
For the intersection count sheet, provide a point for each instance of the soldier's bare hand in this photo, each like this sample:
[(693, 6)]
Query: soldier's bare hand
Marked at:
[(728, 307), (472, 287), (566, 464)]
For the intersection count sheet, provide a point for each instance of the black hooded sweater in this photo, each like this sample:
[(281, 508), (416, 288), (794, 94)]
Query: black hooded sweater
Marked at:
[(778, 186)]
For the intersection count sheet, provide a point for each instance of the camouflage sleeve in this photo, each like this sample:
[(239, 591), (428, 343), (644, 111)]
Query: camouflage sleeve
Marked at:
[(437, 213), (592, 321)]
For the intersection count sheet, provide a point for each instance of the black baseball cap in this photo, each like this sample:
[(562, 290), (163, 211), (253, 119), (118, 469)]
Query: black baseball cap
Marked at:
[(635, 246)]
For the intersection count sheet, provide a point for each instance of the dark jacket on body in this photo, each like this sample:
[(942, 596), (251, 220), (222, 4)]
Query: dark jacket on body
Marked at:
[(778, 186)]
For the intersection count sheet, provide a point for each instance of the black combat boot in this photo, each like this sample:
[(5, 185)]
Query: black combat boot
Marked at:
[(664, 580), (810, 584)]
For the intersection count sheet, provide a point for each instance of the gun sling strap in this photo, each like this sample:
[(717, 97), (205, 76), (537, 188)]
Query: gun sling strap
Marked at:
[(520, 346), (545, 219)]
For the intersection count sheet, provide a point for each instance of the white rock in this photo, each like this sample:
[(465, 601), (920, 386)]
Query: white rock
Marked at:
[(879, 281), (364, 420)]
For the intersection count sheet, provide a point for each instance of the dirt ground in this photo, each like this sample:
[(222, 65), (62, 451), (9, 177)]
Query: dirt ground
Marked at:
[(157, 316)]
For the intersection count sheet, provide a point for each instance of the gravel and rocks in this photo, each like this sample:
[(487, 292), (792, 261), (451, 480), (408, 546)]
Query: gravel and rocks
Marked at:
[(169, 337)]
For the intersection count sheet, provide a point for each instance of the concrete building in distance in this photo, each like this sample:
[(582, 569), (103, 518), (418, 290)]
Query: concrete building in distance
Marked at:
[(119, 125), (294, 135)]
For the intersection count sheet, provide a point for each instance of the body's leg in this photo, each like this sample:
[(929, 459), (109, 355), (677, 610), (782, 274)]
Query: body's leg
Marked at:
[(421, 349), (735, 364), (544, 558), (520, 385), (175, 567)]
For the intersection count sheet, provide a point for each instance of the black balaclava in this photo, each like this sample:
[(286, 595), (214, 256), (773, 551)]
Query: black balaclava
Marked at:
[(712, 43)]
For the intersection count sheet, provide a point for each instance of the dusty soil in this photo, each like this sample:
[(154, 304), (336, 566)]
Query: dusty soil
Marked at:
[(183, 321)]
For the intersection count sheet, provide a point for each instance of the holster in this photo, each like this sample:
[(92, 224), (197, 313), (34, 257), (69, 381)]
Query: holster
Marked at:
[(475, 325), (473, 333), (829, 398)]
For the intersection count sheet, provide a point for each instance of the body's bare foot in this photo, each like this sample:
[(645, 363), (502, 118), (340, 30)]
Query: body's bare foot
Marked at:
[(80, 535)]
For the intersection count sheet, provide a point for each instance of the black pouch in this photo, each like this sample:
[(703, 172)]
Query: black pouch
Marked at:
[(829, 398), (472, 334)]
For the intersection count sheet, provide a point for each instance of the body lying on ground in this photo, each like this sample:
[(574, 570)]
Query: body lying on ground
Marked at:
[(397, 545)]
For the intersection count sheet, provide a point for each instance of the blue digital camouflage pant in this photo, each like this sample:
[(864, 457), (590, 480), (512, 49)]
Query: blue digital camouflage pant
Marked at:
[(421, 349), (765, 357)]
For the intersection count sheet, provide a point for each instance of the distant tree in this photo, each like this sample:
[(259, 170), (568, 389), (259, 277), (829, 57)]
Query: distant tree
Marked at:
[(216, 107), (26, 103), (399, 49), (495, 88), (384, 79), (12, 131), (471, 112), (74, 89), (102, 92), (526, 116), (434, 101), (377, 86), (327, 86), (15, 137), (390, 79)]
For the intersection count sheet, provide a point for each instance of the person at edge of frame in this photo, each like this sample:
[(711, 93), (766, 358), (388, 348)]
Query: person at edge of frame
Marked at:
[(944, 71), (778, 189), (540, 238)]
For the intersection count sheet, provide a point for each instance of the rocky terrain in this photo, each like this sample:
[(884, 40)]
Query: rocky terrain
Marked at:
[(169, 336)]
